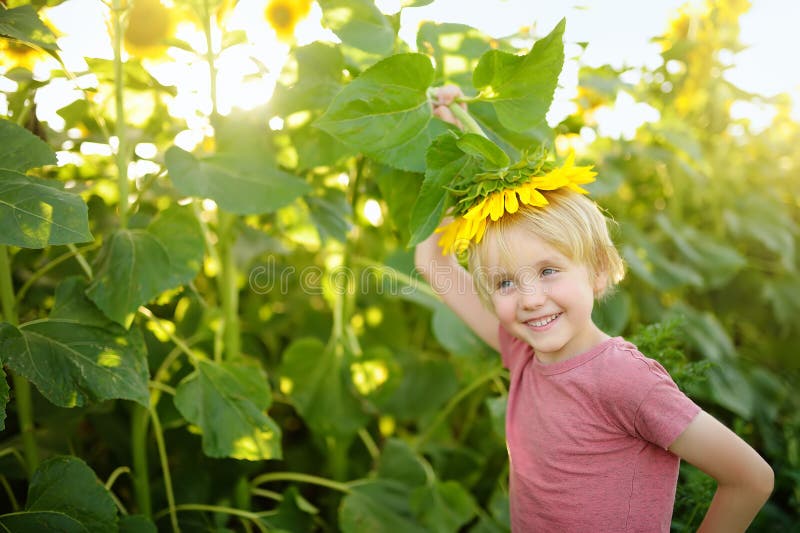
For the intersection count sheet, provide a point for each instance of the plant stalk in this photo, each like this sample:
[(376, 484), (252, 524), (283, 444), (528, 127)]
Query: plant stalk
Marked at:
[(140, 475), (119, 126), (228, 289), (467, 122), (22, 387)]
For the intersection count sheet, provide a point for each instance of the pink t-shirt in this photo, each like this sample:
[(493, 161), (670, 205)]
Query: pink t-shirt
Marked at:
[(588, 437)]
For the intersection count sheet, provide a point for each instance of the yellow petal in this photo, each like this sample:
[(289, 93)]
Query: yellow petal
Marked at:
[(496, 206), (511, 201), (480, 231), (476, 210)]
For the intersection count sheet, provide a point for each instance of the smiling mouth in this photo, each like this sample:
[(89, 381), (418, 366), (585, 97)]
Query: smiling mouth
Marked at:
[(541, 322)]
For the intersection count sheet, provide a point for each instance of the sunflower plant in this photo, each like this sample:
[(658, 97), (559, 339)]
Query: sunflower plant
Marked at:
[(386, 114)]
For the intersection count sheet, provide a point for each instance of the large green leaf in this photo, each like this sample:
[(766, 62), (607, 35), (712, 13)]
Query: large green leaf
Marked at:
[(492, 156), (136, 524), (360, 24), (399, 462), (454, 335), (35, 212), (410, 156), (137, 265), (379, 506), (443, 507), (22, 23), (399, 190), (244, 184), (39, 521), (21, 150), (318, 381), (77, 355), (445, 163), (521, 88), (310, 79), (228, 402), (67, 485), (385, 107)]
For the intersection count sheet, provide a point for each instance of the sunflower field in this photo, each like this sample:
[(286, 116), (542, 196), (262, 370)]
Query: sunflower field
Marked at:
[(210, 315)]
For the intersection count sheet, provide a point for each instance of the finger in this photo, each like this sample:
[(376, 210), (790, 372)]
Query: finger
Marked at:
[(446, 115)]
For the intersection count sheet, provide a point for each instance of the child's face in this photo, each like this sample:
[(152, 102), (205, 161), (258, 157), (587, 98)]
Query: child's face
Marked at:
[(543, 297)]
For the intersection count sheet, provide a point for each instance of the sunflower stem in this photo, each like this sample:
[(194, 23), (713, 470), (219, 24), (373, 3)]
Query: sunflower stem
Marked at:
[(22, 387), (469, 124), (119, 126)]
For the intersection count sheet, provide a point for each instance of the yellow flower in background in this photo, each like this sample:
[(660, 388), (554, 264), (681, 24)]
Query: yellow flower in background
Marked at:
[(457, 235), (15, 53), (283, 16), (149, 24)]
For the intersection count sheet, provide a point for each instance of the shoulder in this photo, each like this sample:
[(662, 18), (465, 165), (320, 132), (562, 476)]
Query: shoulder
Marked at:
[(623, 374)]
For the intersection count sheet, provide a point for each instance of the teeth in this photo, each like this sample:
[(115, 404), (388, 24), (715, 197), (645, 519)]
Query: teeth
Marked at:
[(543, 321)]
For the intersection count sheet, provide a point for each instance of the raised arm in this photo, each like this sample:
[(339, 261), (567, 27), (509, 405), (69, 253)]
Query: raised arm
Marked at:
[(454, 285), (744, 479)]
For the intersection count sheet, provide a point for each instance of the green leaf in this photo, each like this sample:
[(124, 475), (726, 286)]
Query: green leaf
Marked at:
[(135, 266), (453, 335), (717, 262), (179, 232), (77, 355), (318, 381), (136, 524), (23, 24), (67, 485), (379, 506), (331, 213), (612, 313), (228, 402), (385, 107), (310, 79), (35, 213), (399, 190), (497, 410), (360, 24), (427, 384), (244, 184), (36, 522), (521, 88), (400, 463), (294, 513), (479, 146), (445, 163), (21, 150), (443, 507), (410, 156)]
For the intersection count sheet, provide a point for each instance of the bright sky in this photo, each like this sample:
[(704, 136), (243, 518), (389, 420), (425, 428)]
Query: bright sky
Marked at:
[(618, 32)]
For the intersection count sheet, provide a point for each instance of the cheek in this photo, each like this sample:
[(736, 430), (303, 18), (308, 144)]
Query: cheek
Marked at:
[(504, 307)]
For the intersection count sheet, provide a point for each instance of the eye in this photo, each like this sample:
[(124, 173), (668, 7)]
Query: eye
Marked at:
[(548, 272), (504, 284)]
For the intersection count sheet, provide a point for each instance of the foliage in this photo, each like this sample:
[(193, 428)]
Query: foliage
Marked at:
[(233, 344)]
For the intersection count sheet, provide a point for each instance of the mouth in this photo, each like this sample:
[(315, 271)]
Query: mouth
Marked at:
[(543, 321)]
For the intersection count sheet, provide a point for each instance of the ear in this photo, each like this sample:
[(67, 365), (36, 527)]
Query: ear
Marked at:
[(600, 283)]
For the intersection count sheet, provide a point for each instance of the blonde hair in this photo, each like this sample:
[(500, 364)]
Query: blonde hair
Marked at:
[(571, 223)]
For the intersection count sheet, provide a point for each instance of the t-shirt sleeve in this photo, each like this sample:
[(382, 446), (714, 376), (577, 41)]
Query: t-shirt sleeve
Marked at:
[(664, 413)]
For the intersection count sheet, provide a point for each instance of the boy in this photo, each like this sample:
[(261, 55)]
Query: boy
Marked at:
[(595, 429)]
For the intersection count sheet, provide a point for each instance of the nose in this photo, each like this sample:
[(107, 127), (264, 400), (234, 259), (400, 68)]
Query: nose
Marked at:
[(531, 296)]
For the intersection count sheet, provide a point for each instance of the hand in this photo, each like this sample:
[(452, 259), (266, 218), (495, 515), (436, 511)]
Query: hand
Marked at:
[(444, 96)]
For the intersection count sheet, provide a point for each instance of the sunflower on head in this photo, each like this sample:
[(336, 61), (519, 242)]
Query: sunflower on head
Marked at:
[(489, 196)]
